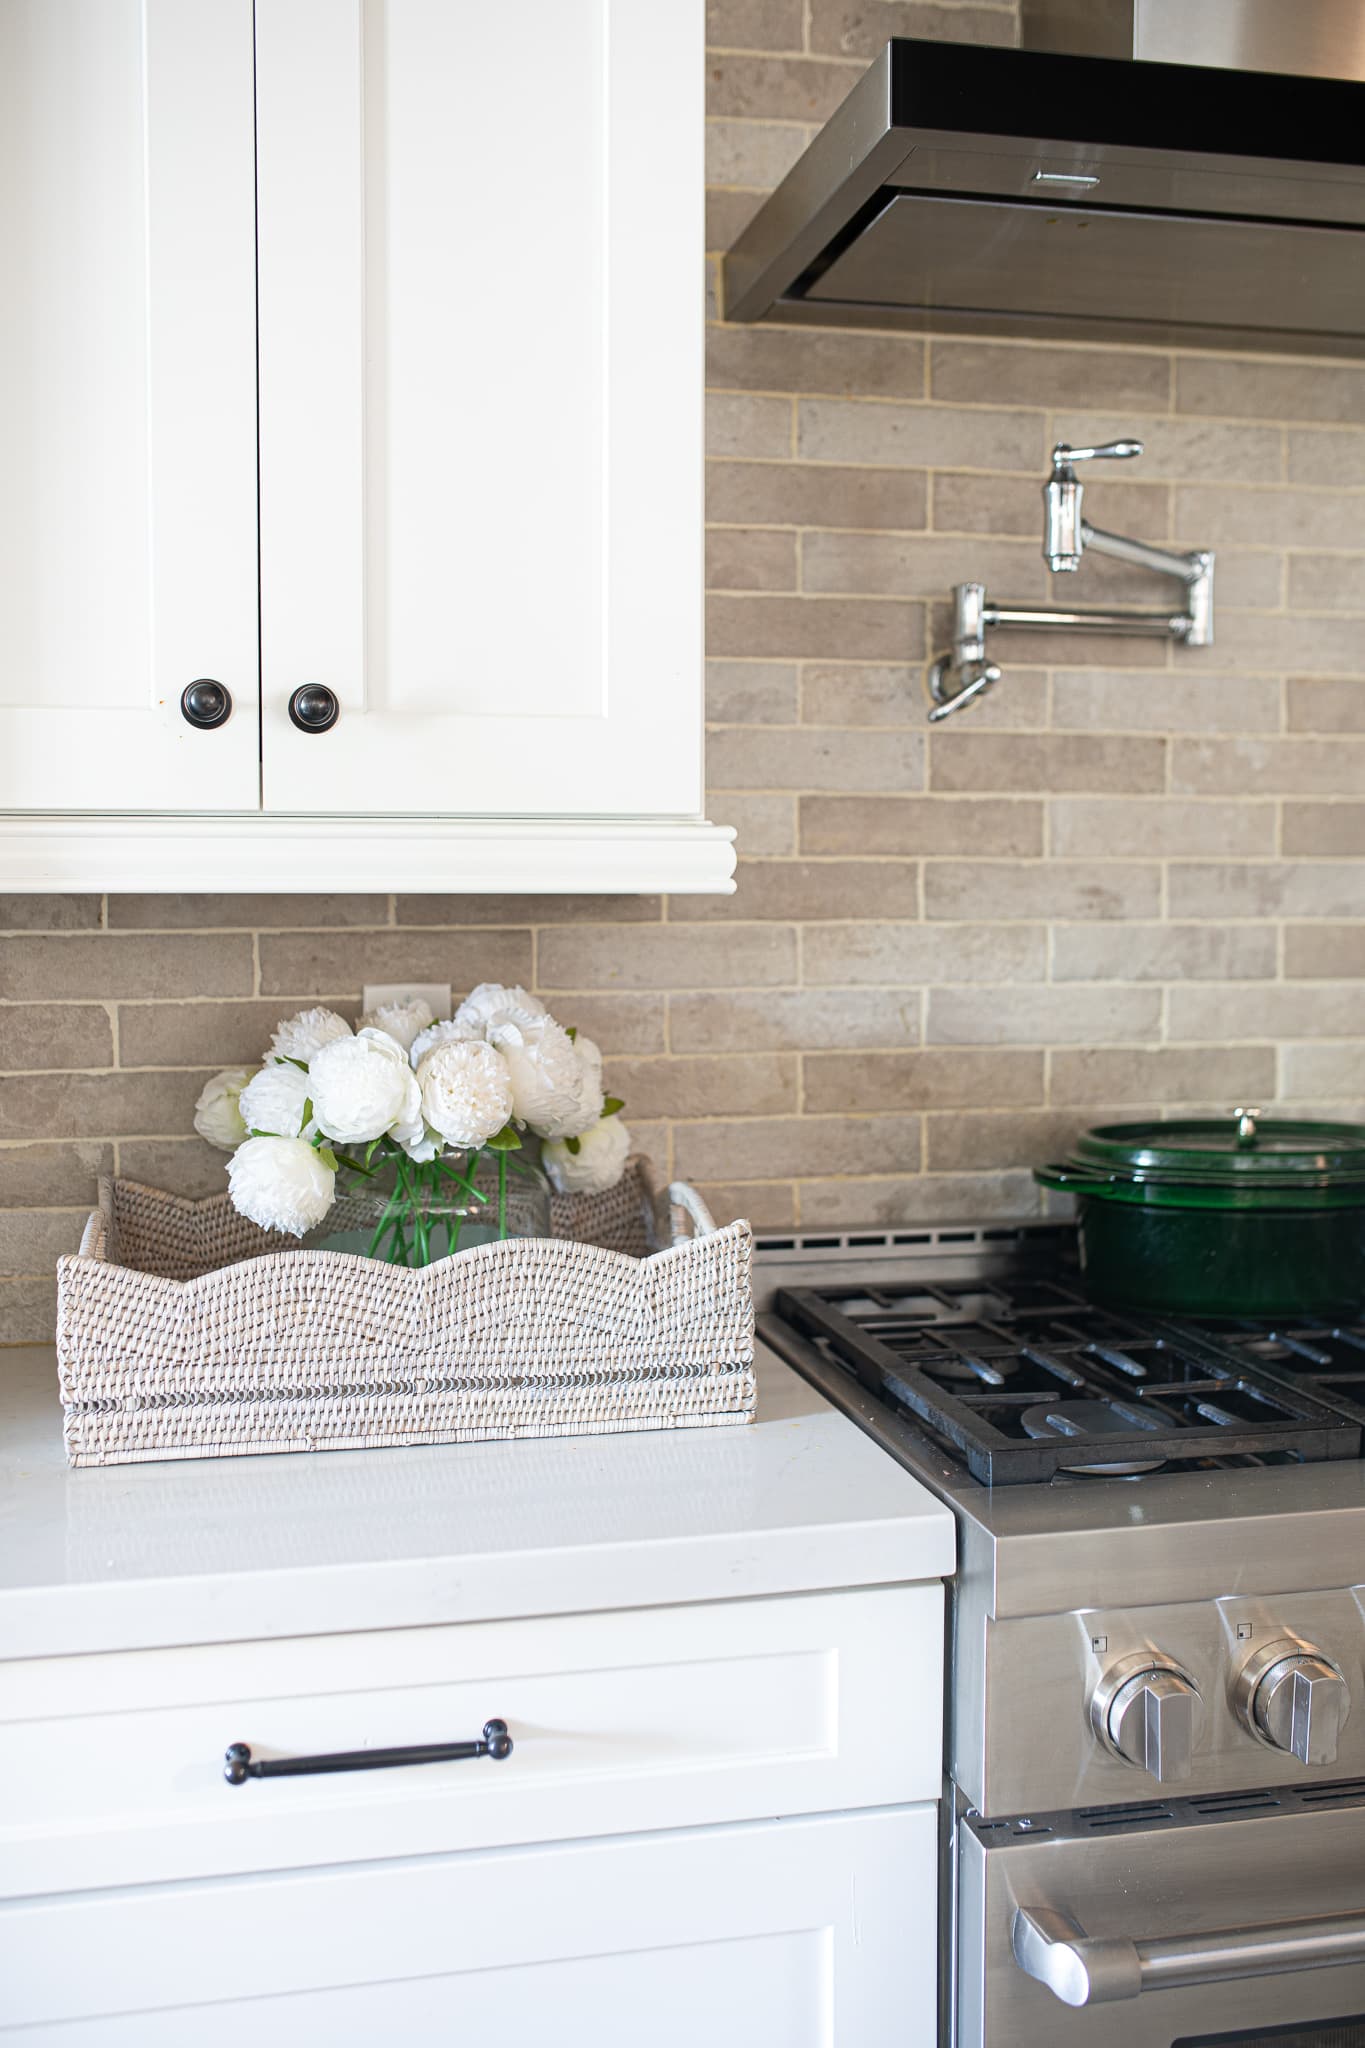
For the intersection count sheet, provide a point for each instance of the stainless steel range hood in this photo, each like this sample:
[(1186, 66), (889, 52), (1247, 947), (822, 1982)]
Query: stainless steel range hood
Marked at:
[(1041, 192)]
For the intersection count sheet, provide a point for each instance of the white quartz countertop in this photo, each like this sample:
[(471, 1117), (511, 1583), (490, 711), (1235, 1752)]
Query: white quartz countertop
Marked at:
[(225, 1549)]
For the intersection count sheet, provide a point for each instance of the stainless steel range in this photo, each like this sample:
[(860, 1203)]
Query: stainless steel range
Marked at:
[(1155, 1822)]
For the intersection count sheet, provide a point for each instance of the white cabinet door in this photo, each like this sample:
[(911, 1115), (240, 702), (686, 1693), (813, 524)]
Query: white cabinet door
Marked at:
[(127, 403), (480, 330), (786, 1934)]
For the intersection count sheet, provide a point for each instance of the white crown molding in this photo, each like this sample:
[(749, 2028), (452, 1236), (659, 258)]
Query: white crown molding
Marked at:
[(411, 855)]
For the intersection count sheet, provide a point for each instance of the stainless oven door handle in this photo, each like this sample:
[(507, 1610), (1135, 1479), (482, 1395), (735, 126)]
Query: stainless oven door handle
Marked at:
[(1057, 1951)]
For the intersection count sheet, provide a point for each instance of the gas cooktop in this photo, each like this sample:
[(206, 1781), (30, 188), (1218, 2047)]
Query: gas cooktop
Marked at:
[(1024, 1380)]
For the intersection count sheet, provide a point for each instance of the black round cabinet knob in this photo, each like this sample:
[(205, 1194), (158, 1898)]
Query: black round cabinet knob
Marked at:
[(206, 703), (314, 708)]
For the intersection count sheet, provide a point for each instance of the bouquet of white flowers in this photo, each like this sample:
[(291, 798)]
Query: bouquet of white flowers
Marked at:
[(422, 1102)]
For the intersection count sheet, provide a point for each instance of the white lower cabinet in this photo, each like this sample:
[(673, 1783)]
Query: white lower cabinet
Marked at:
[(816, 1933), (716, 1827)]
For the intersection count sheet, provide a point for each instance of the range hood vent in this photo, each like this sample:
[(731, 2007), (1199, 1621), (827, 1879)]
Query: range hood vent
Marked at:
[(1032, 192)]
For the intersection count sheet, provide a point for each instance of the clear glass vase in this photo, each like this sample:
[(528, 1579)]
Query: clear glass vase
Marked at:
[(412, 1215)]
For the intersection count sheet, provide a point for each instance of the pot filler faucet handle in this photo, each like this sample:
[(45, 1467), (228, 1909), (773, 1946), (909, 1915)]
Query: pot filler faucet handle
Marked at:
[(1063, 540)]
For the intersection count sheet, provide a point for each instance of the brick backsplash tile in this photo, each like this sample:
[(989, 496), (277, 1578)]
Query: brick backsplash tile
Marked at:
[(1012, 504), (921, 824), (1163, 952), (752, 693), (28, 1309), (1136, 1075), (89, 1106), (1136, 700), (193, 1034), (999, 1138), (748, 1084), (858, 28), (794, 1020), (1051, 761), (727, 216), (1325, 704), (1324, 952), (1193, 451), (168, 913), (814, 359), (1265, 889), (1323, 456), (750, 558), (811, 494), (1041, 889), (47, 1175), (927, 1198), (1113, 828), (1043, 1016), (762, 825), (1317, 1071), (674, 956), (869, 955), (890, 694), (757, 154), (929, 1078), (1326, 583), (54, 1035), (1238, 767), (1219, 1013), (767, 1204), (807, 889), (1331, 829), (524, 910), (32, 1240), (303, 966), (1276, 642), (49, 913), (1237, 389), (183, 1166), (779, 1148), (918, 436), (778, 88), (813, 757), (742, 425), (1317, 519), (853, 629), (755, 24), (892, 565), (108, 964), (1027, 373)]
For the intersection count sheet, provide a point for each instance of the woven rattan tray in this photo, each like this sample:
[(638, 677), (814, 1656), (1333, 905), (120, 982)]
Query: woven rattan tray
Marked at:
[(184, 1331)]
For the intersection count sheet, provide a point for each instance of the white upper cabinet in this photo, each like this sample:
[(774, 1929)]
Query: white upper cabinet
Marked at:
[(400, 311), (127, 403)]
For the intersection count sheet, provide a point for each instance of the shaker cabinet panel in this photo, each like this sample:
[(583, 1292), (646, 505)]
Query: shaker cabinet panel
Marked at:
[(480, 404), (127, 403)]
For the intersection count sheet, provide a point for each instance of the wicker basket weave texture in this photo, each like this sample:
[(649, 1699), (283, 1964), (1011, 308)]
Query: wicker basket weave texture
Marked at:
[(185, 1331)]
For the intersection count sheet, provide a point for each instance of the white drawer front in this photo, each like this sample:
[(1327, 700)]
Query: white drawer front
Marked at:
[(779, 1934), (111, 1767)]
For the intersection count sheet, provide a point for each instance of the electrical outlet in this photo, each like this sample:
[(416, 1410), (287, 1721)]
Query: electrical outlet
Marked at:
[(377, 993)]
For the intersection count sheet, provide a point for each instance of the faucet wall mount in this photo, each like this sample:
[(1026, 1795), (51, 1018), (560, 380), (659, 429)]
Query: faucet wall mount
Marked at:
[(958, 677)]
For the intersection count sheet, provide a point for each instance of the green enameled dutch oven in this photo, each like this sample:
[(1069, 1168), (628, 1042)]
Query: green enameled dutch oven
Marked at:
[(1244, 1216)]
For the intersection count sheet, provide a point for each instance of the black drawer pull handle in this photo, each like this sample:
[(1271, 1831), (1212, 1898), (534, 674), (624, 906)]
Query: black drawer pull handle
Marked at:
[(238, 1767)]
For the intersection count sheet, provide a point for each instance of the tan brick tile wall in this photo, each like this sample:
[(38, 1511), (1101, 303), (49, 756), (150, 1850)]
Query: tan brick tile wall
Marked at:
[(1129, 880)]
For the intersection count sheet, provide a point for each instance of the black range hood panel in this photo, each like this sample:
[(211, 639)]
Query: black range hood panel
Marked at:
[(1017, 192)]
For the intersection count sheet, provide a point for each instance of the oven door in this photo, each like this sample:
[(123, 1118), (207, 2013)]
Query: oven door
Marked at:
[(1180, 1924)]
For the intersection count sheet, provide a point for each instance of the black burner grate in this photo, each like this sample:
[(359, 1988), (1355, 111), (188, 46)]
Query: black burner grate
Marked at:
[(972, 1362)]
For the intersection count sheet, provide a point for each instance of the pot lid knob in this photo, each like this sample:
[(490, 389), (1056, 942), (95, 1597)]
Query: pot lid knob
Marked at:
[(1246, 1127)]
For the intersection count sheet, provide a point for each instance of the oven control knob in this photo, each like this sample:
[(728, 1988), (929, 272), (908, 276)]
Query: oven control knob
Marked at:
[(1295, 1699), (1146, 1710)]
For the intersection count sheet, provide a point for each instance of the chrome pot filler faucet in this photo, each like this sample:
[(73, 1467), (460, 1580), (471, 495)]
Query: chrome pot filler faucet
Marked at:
[(956, 678)]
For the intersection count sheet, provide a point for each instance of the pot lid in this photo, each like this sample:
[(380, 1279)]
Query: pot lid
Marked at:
[(1243, 1147), (1239, 1161)]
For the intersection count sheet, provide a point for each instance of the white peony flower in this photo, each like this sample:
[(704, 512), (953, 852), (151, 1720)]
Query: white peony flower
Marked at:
[(281, 1184), (439, 1034), (274, 1101), (547, 1075), (402, 1021), (298, 1038), (216, 1114), (591, 1097), (597, 1164), (489, 1000), (466, 1091), (363, 1087)]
